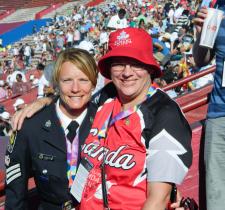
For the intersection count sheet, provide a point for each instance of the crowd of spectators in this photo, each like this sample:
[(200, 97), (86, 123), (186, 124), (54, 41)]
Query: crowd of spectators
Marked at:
[(169, 22)]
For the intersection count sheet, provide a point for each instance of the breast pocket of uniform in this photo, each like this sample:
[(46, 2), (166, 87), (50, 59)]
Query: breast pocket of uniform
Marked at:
[(50, 177)]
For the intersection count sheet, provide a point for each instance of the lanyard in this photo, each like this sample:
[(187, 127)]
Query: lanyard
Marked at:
[(110, 121), (102, 135), (72, 155), (72, 158)]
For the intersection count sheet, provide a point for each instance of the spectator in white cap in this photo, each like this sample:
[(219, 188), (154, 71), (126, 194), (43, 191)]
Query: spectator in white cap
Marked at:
[(87, 45), (5, 116), (19, 104), (34, 81), (5, 127)]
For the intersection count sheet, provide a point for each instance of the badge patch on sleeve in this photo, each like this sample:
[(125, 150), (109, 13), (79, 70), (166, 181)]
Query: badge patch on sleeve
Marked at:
[(12, 141), (7, 160)]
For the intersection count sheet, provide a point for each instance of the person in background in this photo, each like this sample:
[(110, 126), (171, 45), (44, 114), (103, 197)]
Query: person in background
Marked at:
[(47, 145), (161, 83), (118, 21), (137, 124), (3, 91), (34, 29), (141, 24), (76, 36), (21, 51), (12, 77), (214, 141), (5, 127), (103, 38), (27, 54), (45, 85), (167, 7), (19, 86), (60, 41)]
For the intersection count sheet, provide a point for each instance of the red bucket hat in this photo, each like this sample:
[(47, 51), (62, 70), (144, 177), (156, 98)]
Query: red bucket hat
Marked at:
[(133, 43)]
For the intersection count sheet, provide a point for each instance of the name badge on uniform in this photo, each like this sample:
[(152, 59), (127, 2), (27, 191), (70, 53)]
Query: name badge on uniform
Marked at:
[(46, 157), (223, 79), (81, 178)]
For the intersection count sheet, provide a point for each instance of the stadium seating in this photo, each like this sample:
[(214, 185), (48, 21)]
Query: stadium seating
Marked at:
[(16, 4), (13, 4), (23, 15), (38, 3)]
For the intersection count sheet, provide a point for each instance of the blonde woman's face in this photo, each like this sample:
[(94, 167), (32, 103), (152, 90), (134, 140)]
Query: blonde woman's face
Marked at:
[(75, 89)]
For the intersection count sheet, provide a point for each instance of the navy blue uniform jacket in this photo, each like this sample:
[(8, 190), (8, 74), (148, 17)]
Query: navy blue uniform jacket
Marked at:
[(39, 150)]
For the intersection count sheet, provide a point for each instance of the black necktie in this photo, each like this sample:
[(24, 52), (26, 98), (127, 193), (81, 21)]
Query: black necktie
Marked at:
[(72, 127)]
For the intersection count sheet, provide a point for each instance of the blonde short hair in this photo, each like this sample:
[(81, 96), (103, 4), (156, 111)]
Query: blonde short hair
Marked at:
[(81, 59)]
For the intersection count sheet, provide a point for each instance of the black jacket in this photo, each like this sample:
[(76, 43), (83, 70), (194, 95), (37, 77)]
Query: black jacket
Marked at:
[(39, 150)]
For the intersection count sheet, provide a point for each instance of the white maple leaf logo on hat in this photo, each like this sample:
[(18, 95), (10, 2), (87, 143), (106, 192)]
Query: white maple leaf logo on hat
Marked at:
[(123, 35), (123, 39)]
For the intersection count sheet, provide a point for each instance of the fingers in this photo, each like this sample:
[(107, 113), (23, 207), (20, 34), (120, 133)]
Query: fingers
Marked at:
[(176, 205), (199, 19), (201, 15), (30, 113), (15, 119), (22, 116), (19, 117), (35, 107)]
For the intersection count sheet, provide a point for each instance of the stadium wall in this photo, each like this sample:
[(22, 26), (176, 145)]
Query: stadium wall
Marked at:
[(21, 31), (53, 7), (5, 27)]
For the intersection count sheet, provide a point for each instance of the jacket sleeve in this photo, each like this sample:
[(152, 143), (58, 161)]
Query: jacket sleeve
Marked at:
[(169, 152), (17, 162)]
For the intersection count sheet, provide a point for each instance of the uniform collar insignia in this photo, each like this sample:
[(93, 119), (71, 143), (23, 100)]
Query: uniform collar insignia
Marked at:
[(48, 124)]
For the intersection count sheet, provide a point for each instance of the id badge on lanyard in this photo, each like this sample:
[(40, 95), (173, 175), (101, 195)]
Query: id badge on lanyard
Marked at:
[(81, 178), (223, 77)]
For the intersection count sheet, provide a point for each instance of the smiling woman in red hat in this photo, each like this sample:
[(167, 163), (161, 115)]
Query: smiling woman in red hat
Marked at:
[(140, 143)]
